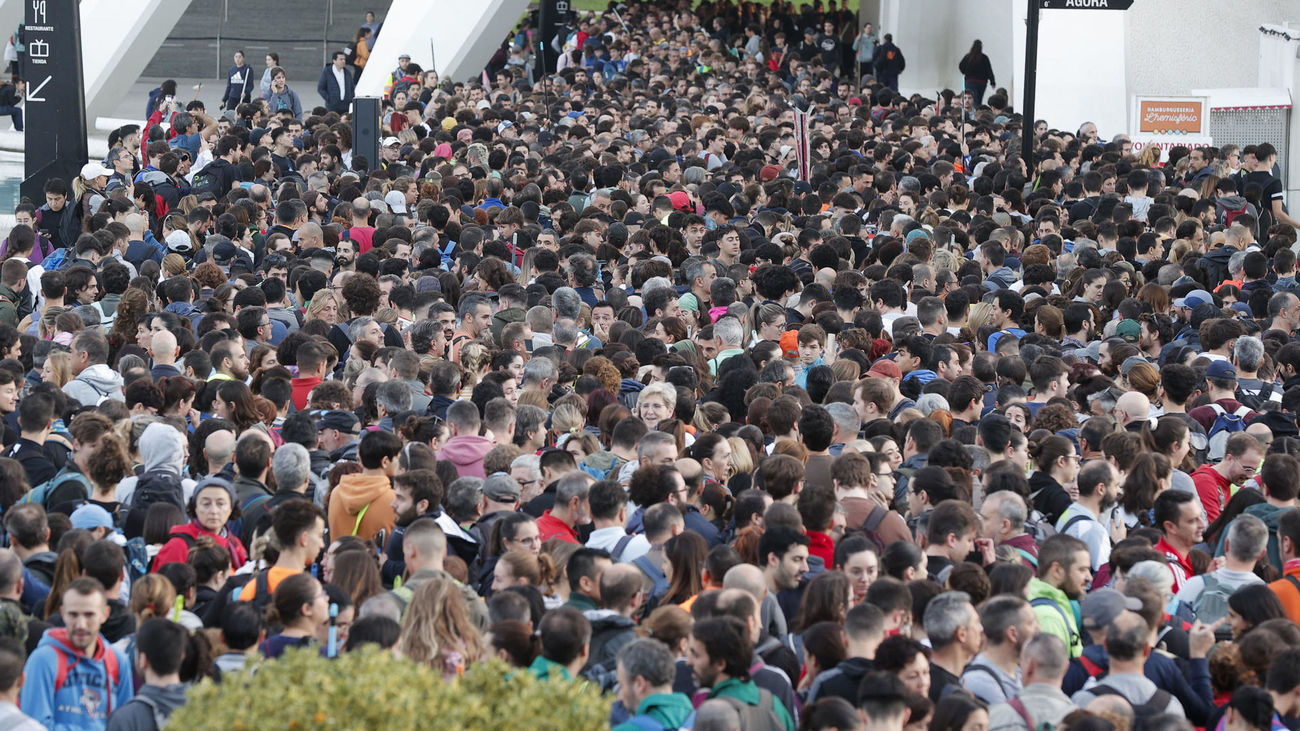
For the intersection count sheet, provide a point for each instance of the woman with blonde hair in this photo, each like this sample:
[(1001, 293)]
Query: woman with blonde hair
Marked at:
[(173, 265), (324, 305), (979, 315), (437, 630), (656, 403), (567, 421), (475, 360), (57, 368)]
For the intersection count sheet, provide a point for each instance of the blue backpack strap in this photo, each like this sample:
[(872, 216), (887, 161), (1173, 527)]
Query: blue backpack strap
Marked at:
[(647, 723)]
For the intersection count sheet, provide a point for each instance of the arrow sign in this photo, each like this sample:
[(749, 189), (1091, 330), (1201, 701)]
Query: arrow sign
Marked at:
[(31, 95), (1085, 4)]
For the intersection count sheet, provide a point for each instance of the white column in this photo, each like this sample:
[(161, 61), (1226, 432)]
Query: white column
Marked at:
[(455, 44), (118, 39), (11, 14)]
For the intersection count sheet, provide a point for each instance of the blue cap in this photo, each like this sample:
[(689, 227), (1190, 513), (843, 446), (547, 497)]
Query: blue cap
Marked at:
[(90, 517)]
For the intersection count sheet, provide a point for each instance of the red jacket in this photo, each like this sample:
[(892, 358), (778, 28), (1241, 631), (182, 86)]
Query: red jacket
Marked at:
[(302, 389), (177, 550), (1213, 489), (549, 526), (821, 545)]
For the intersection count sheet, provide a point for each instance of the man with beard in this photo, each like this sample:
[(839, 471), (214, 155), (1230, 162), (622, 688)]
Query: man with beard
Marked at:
[(229, 361), (994, 675), (345, 256), (1064, 569), (1088, 518), (416, 494)]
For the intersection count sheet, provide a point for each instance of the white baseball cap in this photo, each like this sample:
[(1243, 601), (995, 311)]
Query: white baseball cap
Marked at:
[(92, 170), (396, 201)]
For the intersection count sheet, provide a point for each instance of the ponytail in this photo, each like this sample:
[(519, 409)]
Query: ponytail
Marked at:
[(72, 546)]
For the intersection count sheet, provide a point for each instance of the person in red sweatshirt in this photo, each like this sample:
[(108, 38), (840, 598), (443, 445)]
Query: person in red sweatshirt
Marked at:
[(313, 365), (571, 508)]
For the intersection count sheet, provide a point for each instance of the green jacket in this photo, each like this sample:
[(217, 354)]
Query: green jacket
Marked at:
[(546, 669), (9, 301), (746, 692), (581, 602), (669, 709), (1061, 620)]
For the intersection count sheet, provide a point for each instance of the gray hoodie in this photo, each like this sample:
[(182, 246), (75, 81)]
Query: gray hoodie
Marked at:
[(163, 449), (93, 385)]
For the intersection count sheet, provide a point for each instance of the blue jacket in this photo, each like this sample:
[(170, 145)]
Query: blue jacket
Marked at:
[(89, 691), (336, 99)]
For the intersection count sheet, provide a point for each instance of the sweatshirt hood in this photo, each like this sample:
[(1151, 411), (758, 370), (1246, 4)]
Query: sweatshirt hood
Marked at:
[(357, 491), (466, 450), (59, 636), (162, 448), (101, 375)]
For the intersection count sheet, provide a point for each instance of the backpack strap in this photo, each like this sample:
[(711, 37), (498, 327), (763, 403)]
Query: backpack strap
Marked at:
[(1294, 581), (1043, 601), (360, 517), (66, 663), (646, 723), (621, 545), (1031, 558), (1065, 529), (875, 518), (981, 668), (1018, 706)]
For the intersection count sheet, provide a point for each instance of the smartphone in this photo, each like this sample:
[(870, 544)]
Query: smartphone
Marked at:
[(171, 100)]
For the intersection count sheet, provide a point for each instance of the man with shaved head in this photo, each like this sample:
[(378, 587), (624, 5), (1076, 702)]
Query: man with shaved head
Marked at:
[(361, 232), (163, 350), (310, 236)]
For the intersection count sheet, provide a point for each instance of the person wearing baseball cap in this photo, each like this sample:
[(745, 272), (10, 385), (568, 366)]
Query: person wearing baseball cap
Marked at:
[(1192, 299), (390, 149), (340, 434)]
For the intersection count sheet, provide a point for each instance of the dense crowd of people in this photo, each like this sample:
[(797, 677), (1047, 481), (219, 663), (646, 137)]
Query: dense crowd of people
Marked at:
[(581, 376)]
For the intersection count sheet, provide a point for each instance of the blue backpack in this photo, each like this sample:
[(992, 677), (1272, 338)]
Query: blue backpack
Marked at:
[(57, 260), (41, 493), (1224, 426)]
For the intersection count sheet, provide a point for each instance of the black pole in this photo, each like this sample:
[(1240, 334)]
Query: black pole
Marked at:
[(1031, 81)]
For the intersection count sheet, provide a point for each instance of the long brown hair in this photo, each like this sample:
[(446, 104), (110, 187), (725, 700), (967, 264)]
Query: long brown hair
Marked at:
[(685, 553)]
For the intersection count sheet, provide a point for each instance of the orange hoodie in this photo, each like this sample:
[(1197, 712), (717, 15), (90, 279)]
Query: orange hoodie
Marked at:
[(374, 494)]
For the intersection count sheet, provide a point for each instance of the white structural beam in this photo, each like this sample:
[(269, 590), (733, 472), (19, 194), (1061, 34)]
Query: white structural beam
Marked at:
[(457, 44), (118, 39), (11, 14)]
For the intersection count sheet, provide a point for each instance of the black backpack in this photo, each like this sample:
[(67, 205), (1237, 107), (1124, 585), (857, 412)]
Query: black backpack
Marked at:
[(1142, 712), (156, 486)]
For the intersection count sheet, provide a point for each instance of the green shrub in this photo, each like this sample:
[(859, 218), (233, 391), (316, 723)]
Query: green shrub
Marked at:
[(371, 689)]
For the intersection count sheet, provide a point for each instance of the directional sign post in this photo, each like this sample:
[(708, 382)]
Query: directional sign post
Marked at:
[(55, 114), (1031, 60)]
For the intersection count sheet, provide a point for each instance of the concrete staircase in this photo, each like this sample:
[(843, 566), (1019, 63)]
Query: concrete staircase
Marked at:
[(303, 32)]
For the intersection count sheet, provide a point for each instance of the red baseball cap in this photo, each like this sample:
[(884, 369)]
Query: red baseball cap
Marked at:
[(681, 201), (885, 368)]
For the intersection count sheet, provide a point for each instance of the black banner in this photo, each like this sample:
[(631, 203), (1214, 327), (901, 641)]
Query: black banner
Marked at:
[(552, 16), (55, 112)]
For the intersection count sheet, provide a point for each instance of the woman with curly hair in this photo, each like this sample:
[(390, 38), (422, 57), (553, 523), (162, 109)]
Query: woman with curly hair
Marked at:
[(492, 275), (130, 309), (1056, 418), (209, 277)]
